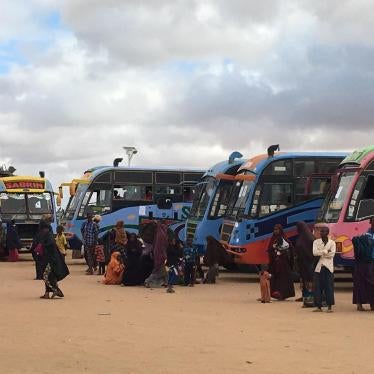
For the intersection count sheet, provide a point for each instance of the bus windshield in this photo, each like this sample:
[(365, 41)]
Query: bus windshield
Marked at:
[(25, 205), (74, 201), (336, 200), (221, 199), (203, 195), (239, 197)]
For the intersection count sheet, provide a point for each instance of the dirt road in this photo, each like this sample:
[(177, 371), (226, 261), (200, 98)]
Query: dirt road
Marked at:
[(207, 329)]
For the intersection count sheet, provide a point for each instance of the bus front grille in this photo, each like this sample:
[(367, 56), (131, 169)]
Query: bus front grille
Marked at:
[(226, 231)]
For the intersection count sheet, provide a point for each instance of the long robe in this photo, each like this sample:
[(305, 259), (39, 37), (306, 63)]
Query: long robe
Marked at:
[(363, 274), (305, 261), (53, 257), (134, 274), (158, 277), (281, 281)]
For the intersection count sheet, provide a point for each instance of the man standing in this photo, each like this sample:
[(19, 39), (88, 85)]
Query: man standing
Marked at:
[(325, 249), (90, 234)]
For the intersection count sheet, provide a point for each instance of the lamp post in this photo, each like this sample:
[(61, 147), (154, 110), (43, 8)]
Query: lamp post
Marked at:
[(130, 152)]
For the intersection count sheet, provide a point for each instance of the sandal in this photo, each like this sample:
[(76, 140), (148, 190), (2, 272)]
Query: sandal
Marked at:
[(45, 296)]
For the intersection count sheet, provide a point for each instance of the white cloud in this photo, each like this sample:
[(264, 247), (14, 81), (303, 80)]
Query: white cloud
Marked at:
[(186, 82)]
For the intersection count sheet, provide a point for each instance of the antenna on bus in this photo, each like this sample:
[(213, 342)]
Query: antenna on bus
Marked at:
[(117, 161), (234, 156), (272, 149), (42, 174)]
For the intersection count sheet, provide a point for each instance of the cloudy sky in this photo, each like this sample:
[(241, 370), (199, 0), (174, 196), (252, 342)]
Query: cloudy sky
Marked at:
[(185, 81)]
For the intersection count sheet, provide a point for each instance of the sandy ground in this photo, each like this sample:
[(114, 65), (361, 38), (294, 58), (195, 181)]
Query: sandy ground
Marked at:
[(206, 329)]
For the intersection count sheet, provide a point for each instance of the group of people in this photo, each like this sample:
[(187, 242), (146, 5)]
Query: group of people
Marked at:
[(313, 261), (156, 258)]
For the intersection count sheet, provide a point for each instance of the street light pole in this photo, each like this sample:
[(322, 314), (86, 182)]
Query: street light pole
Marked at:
[(130, 152)]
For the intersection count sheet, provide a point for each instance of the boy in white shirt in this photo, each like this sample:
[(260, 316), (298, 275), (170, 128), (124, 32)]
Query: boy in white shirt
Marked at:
[(325, 249)]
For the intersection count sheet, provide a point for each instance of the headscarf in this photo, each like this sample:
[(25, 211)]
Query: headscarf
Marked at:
[(275, 238), (115, 270), (121, 236), (133, 243), (160, 245), (304, 242)]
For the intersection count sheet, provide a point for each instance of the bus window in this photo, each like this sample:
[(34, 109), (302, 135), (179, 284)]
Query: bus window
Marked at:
[(13, 205), (353, 204), (280, 167), (168, 178), (366, 205), (318, 188), (368, 192), (97, 202), (192, 177), (300, 190), (173, 193), (275, 197), (220, 200), (131, 193), (39, 204), (133, 177), (328, 167), (104, 178), (204, 192), (189, 193), (336, 203), (303, 168)]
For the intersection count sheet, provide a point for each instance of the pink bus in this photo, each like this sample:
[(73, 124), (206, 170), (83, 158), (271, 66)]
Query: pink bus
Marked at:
[(350, 204)]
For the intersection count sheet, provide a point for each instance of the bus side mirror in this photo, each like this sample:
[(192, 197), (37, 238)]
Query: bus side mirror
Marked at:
[(58, 200), (61, 192), (73, 189), (365, 210)]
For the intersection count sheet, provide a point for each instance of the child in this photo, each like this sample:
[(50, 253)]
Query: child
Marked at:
[(100, 258), (189, 256), (62, 243), (265, 285)]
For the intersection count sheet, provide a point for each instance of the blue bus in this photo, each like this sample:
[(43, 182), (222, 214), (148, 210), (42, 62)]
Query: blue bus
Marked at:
[(133, 195), (281, 188), (26, 199), (211, 199)]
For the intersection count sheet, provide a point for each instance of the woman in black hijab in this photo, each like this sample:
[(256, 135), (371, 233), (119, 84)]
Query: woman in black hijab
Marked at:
[(55, 267), (305, 261), (133, 275)]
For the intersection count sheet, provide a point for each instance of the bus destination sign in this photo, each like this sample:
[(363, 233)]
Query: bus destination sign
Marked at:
[(24, 185)]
